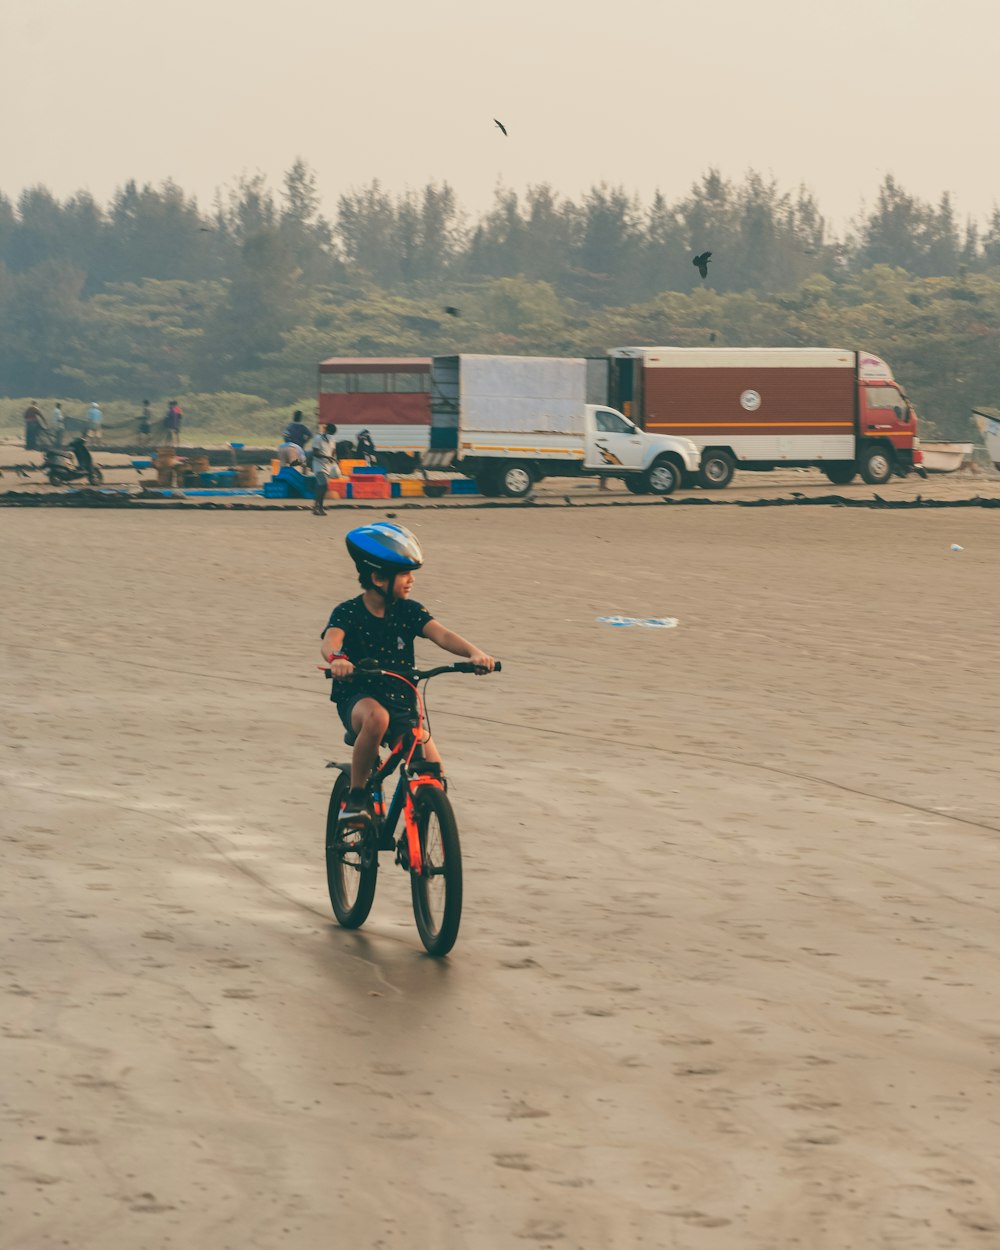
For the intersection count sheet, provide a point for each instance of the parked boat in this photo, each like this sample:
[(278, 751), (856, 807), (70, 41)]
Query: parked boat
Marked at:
[(945, 457), (989, 427)]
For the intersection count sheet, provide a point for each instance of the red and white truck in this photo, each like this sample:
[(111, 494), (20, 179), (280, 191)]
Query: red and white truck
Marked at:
[(390, 397), (762, 408)]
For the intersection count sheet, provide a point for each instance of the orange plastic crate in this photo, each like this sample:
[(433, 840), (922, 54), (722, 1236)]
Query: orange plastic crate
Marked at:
[(370, 488), (337, 486)]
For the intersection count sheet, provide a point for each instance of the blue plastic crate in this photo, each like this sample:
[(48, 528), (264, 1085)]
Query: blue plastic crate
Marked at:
[(371, 470), (464, 486), (275, 490), (396, 489), (218, 477)]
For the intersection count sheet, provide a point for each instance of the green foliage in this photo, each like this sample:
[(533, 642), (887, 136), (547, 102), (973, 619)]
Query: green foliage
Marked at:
[(231, 312)]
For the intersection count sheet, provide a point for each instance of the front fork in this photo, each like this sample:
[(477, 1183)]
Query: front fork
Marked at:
[(414, 855)]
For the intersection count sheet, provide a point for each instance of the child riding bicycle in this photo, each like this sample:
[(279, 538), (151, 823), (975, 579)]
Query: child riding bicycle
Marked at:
[(380, 625)]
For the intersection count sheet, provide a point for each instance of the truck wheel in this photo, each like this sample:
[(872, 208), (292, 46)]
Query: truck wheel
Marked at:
[(717, 468), (636, 483), (516, 480), (662, 477), (875, 464), (841, 472)]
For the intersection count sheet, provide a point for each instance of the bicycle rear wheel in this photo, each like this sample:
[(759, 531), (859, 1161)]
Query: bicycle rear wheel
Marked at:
[(351, 865), (437, 890)]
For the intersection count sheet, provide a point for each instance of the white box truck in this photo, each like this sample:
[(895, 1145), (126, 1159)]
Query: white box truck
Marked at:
[(510, 421)]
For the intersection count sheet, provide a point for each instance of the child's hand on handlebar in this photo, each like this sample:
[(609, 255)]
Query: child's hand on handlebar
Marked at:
[(341, 668), (484, 663)]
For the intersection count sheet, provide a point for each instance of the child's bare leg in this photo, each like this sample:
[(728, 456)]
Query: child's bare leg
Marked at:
[(431, 752), (369, 720)]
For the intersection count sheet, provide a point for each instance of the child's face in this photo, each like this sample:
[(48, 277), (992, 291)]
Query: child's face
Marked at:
[(401, 587)]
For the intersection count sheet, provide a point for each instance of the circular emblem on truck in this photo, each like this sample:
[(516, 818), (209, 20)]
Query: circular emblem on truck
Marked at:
[(750, 400)]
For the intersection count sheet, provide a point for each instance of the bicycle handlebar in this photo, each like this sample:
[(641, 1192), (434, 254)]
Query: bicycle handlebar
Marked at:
[(367, 669)]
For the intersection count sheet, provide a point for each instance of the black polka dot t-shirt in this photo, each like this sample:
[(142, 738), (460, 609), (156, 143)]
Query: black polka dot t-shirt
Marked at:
[(386, 639)]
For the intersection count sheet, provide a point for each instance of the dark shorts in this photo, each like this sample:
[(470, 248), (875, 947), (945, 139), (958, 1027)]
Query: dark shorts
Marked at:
[(399, 720)]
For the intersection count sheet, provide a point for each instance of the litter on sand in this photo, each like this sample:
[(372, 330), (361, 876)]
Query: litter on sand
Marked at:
[(647, 622), (956, 547)]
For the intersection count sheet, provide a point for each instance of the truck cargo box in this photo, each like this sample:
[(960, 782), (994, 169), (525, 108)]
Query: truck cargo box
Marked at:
[(512, 395)]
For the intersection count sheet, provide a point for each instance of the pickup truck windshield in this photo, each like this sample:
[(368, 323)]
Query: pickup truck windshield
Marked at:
[(611, 423)]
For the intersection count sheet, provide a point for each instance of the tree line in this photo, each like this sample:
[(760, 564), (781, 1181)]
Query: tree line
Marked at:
[(150, 296)]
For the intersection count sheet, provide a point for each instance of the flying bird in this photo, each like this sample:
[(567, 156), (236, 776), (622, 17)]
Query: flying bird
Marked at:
[(500, 126), (701, 264), (452, 312)]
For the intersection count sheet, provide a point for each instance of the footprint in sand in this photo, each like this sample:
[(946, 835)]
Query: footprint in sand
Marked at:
[(515, 1160), (699, 1218), (146, 1204), (541, 1230), (68, 1138), (522, 1111)]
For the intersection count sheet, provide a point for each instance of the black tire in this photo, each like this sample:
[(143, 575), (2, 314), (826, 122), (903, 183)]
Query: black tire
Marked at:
[(350, 881), (841, 472), (95, 477), (635, 483), (662, 477), (875, 464), (516, 480), (437, 891), (717, 468), (435, 490)]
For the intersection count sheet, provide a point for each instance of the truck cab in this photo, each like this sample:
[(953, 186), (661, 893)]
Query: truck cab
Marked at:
[(651, 463)]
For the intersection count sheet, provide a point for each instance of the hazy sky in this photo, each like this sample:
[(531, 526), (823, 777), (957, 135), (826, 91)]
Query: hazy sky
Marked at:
[(645, 93)]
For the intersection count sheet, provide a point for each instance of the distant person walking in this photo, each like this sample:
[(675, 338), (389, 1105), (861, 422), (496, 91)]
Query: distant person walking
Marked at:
[(323, 450), (95, 419), (145, 421), (172, 423), (34, 427), (291, 454), (366, 447), (57, 425), (297, 431)]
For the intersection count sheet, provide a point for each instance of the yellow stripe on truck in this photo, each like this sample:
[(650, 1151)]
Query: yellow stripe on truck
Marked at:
[(742, 425), (537, 451)]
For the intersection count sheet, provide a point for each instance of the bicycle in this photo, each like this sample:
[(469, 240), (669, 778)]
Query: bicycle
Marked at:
[(428, 848)]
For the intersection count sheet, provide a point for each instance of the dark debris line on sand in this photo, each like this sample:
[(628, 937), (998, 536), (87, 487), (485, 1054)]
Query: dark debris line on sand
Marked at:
[(85, 498)]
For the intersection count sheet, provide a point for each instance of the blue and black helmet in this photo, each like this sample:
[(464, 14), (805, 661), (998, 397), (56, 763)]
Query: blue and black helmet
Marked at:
[(383, 548)]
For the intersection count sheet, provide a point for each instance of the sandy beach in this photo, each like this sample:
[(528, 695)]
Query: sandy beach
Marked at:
[(727, 974)]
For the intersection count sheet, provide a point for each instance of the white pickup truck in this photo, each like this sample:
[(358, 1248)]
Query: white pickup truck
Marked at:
[(509, 421)]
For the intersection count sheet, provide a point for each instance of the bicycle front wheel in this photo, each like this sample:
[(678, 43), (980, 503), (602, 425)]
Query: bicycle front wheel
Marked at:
[(437, 889), (351, 864)]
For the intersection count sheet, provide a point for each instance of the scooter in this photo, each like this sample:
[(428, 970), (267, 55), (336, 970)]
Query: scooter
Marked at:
[(59, 464)]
